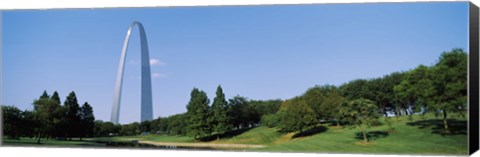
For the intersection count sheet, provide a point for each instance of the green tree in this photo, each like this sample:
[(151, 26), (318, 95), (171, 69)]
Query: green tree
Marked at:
[(47, 116), (356, 89), (380, 89), (87, 120), (198, 113), (12, 117), (271, 120), (145, 126), (265, 107), (130, 129), (72, 113), (296, 115), (325, 101), (220, 118), (102, 129), (393, 104), (177, 124), (362, 113), (450, 83), (56, 98), (243, 112), (29, 124), (416, 88), (158, 125), (60, 122), (314, 98), (332, 106), (238, 111)]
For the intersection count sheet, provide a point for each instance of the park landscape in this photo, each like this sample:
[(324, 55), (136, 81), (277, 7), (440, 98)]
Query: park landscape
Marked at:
[(418, 111)]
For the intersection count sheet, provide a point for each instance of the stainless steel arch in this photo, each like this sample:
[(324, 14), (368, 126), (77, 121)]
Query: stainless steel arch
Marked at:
[(146, 82)]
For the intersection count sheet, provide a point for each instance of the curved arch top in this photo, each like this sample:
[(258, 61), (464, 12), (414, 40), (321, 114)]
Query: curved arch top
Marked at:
[(146, 82)]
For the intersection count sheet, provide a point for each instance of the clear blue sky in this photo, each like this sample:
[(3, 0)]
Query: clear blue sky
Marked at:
[(260, 52)]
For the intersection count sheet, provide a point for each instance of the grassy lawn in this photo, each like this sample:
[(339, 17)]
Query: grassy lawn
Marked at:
[(405, 139), (154, 138), (258, 135), (409, 137), (56, 143)]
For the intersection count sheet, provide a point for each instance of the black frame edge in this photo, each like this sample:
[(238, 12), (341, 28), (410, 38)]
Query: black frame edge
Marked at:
[(473, 95)]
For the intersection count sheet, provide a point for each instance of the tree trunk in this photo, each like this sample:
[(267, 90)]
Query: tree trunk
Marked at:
[(385, 111), (365, 138), (338, 123), (38, 138), (445, 123)]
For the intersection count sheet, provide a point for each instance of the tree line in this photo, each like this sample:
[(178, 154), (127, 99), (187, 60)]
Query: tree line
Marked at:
[(201, 119), (50, 119), (440, 88)]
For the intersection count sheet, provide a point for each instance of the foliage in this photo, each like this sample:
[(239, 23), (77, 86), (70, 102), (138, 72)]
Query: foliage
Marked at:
[(145, 126), (355, 89), (12, 116), (72, 114), (362, 113), (130, 129), (49, 119), (450, 83), (416, 88), (243, 113), (87, 120), (102, 129), (198, 113), (220, 118), (177, 124), (296, 115), (265, 107), (271, 120)]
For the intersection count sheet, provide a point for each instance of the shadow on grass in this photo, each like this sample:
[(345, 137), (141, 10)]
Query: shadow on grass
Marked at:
[(341, 123), (52, 142), (372, 135), (228, 134), (21, 142), (309, 132), (455, 127)]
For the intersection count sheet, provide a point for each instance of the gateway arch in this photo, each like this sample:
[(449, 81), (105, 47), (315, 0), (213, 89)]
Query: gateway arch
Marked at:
[(146, 82)]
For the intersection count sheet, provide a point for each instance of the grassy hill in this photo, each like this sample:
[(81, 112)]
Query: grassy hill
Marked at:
[(409, 137), (258, 135), (404, 140)]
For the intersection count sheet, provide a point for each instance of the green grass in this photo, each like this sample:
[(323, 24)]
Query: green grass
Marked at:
[(155, 138), (405, 139), (56, 143), (258, 135)]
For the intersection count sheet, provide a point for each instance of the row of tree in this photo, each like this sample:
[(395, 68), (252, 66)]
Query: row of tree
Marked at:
[(440, 88), (49, 119), (223, 116), (201, 119)]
